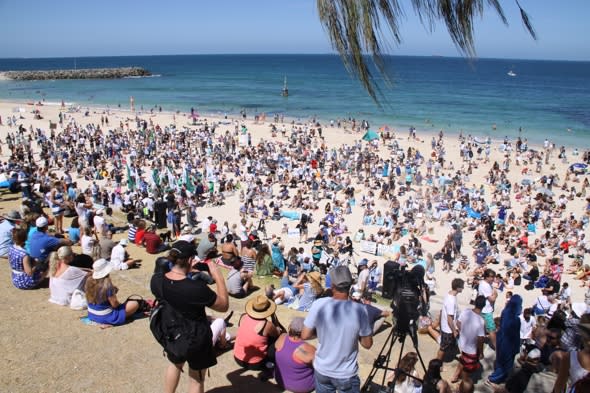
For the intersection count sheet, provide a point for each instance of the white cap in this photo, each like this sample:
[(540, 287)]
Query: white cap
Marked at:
[(41, 222)]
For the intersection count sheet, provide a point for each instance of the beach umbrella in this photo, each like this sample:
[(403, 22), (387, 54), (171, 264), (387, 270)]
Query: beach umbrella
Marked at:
[(526, 181), (370, 135), (545, 191)]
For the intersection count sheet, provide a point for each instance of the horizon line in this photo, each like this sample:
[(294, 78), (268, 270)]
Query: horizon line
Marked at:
[(287, 54)]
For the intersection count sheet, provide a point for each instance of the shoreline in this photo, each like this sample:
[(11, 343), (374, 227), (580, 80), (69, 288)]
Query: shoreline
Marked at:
[(401, 131)]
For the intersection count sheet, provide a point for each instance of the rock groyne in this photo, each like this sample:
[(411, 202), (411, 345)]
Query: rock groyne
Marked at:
[(84, 73)]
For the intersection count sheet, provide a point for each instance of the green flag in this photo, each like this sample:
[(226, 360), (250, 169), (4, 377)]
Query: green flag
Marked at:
[(156, 176)]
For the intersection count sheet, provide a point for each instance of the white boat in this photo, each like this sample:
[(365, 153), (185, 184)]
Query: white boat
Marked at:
[(511, 73)]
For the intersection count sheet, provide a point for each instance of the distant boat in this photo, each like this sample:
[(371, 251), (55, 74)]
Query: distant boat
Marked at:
[(511, 73), (285, 92)]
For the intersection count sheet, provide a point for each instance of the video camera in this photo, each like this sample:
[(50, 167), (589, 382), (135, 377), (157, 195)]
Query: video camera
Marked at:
[(410, 298)]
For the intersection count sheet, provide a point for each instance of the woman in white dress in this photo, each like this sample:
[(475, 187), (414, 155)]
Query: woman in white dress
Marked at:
[(63, 278)]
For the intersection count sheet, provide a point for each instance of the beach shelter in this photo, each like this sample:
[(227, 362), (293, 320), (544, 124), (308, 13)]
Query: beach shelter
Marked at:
[(370, 135), (578, 167)]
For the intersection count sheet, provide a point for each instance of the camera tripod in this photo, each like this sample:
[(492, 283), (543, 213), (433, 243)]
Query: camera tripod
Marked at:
[(384, 357)]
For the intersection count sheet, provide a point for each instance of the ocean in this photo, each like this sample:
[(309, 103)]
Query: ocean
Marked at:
[(545, 99)]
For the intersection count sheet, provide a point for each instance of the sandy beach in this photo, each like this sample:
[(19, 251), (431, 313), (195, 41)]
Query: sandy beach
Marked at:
[(48, 349)]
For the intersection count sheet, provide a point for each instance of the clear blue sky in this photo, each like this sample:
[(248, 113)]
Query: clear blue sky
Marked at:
[(62, 28)]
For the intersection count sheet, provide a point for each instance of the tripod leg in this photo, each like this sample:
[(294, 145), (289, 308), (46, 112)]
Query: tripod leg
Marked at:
[(382, 361), (419, 354), (391, 388)]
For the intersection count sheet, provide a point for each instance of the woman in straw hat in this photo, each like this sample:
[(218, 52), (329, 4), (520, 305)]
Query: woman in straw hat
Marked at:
[(310, 287), (103, 306), (256, 333)]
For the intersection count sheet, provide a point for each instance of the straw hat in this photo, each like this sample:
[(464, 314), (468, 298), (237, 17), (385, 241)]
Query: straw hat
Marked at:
[(101, 268), (315, 277), (260, 307)]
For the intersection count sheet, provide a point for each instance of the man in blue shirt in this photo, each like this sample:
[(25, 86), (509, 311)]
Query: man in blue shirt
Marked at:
[(41, 244), (6, 227), (340, 325)]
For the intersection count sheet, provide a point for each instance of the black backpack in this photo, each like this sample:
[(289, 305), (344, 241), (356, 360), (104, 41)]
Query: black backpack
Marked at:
[(178, 335)]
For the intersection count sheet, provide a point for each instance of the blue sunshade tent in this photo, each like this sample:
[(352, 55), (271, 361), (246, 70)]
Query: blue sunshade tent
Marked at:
[(370, 135), (578, 167)]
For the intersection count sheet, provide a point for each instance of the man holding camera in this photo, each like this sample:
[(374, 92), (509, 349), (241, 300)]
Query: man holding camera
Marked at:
[(340, 325)]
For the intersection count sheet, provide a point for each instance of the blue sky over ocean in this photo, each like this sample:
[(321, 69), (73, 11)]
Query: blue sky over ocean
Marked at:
[(64, 28)]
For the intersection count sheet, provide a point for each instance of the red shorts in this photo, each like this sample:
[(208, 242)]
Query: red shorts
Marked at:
[(470, 362)]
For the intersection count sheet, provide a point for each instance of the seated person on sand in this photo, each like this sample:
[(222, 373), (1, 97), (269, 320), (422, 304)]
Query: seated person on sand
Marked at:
[(265, 261), (63, 278), (255, 333), (294, 360), (229, 251), (27, 273), (239, 281), (103, 306), (299, 295), (120, 258)]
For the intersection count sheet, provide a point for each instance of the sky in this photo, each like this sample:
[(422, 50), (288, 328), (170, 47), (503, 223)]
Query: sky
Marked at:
[(66, 28)]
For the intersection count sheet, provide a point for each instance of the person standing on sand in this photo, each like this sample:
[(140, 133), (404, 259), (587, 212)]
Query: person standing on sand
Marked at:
[(190, 297), (340, 325), (448, 328), (485, 288)]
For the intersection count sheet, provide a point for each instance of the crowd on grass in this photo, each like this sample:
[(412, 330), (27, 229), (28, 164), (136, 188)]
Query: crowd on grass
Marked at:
[(159, 177)]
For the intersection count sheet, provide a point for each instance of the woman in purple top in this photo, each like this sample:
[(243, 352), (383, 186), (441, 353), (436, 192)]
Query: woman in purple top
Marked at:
[(294, 359)]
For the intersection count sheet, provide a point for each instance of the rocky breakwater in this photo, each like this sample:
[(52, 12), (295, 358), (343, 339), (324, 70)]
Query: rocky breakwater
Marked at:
[(85, 73)]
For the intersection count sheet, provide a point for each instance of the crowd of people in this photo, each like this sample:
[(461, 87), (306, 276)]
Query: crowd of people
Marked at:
[(409, 200)]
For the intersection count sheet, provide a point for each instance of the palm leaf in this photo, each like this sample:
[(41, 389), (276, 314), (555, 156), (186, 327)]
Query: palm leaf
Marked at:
[(355, 28)]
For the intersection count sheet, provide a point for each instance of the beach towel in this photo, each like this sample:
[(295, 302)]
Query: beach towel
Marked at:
[(429, 239)]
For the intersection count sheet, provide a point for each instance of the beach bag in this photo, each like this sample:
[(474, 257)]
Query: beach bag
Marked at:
[(178, 336), (78, 301)]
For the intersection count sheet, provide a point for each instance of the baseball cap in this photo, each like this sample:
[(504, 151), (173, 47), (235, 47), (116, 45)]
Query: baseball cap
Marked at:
[(41, 222), (363, 262), (184, 249), (340, 277)]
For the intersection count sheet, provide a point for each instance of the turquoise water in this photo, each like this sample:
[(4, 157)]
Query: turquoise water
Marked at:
[(545, 99)]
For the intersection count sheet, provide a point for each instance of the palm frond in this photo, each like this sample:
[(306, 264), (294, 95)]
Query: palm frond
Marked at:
[(355, 28)]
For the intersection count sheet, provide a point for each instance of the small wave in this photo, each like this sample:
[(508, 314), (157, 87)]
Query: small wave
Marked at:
[(139, 76), (54, 103)]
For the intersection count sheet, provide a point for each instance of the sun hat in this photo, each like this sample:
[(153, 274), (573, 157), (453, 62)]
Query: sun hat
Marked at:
[(356, 295), (13, 215), (124, 242), (101, 268), (41, 222), (260, 307), (340, 277), (315, 276), (184, 249)]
